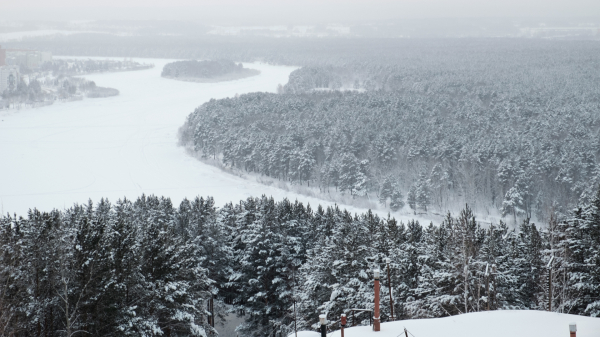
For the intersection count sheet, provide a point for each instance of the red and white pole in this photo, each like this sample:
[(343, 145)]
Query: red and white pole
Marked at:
[(573, 329), (376, 326)]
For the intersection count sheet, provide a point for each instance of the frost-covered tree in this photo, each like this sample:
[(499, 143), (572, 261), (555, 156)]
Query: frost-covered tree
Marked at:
[(411, 198), (386, 190), (513, 203), (396, 199)]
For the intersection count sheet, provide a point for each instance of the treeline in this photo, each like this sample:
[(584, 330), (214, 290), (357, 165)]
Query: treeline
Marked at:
[(519, 154), (201, 69), (133, 268), (148, 268), (43, 90), (61, 67), (335, 52), (24, 93)]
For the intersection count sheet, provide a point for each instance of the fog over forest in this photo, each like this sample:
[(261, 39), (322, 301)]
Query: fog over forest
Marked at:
[(243, 168)]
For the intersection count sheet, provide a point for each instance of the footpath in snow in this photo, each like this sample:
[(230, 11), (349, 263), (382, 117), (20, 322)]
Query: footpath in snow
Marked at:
[(504, 323)]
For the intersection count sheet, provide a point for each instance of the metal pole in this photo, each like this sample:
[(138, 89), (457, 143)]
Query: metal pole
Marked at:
[(294, 277), (323, 320), (390, 288), (295, 328), (343, 321), (550, 283), (376, 326), (487, 287), (550, 289), (212, 311)]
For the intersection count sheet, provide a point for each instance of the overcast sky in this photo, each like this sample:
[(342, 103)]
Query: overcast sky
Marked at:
[(292, 11)]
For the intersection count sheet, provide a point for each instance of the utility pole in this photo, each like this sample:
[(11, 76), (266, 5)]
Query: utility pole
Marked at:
[(376, 322), (387, 262)]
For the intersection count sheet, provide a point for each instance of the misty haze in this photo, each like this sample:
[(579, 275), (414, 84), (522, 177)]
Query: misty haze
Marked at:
[(300, 168)]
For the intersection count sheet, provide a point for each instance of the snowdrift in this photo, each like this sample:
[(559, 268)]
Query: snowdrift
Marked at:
[(481, 324)]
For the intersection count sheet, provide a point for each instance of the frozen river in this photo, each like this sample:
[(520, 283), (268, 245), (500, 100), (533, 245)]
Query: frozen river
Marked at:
[(55, 156), (123, 146)]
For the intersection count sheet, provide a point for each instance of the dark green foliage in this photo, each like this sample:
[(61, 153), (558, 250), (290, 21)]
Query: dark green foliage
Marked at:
[(144, 267), (396, 199), (106, 270)]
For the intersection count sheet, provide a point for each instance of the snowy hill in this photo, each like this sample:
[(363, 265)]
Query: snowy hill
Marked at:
[(488, 324)]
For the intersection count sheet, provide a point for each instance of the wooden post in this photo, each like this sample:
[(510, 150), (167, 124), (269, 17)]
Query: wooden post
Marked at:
[(376, 321)]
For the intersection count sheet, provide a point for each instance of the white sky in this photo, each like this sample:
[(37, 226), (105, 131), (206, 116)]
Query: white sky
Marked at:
[(292, 11)]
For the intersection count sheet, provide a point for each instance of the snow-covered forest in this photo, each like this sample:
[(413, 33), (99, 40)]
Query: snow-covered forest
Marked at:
[(518, 137), (44, 89), (505, 130), (73, 67), (57, 81), (147, 267), (207, 69)]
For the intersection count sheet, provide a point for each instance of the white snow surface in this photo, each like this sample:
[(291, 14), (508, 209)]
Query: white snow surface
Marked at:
[(503, 323)]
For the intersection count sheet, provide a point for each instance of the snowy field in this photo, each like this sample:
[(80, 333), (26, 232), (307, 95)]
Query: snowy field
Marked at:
[(66, 153), (512, 323)]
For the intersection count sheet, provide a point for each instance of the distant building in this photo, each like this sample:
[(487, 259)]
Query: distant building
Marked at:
[(31, 59), (9, 77)]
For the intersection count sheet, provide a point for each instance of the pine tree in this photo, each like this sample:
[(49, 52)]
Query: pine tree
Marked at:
[(423, 193), (412, 198), (593, 257), (513, 203), (396, 199), (386, 191)]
